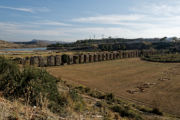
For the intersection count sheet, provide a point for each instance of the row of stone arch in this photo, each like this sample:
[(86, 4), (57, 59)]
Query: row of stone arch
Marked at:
[(58, 60)]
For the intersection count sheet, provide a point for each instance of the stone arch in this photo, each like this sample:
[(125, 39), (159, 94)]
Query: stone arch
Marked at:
[(95, 58), (76, 59), (34, 61), (99, 57), (51, 61), (86, 58), (58, 59), (70, 59), (103, 56), (42, 61), (107, 56), (64, 59), (91, 58), (81, 58)]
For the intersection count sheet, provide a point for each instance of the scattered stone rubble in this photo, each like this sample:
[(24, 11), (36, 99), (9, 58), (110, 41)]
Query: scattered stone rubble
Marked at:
[(141, 88)]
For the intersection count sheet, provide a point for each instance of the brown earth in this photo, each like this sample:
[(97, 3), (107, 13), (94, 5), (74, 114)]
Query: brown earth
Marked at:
[(4, 44), (148, 83)]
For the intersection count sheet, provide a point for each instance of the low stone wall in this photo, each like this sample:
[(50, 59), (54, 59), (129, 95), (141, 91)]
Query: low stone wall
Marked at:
[(44, 61)]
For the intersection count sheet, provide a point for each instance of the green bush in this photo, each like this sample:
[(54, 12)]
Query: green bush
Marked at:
[(74, 95), (30, 83), (88, 91), (149, 110), (156, 111), (79, 106), (109, 97), (10, 77), (144, 109), (83, 89), (96, 94), (99, 104), (125, 112)]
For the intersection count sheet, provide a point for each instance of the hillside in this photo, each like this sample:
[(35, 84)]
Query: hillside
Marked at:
[(33, 94), (5, 44), (142, 82), (114, 44), (29, 44), (39, 43)]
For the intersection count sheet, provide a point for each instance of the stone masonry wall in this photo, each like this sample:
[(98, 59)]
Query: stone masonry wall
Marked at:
[(45, 61)]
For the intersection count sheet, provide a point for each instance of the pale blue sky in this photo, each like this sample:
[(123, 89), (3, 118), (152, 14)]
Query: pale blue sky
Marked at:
[(69, 20)]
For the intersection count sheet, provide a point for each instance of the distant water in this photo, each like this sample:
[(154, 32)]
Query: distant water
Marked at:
[(23, 49)]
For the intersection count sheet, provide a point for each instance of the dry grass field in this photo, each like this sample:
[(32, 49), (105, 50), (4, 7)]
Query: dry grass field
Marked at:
[(149, 83)]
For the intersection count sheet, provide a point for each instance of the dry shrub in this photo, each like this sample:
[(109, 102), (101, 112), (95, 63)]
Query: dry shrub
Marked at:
[(30, 83)]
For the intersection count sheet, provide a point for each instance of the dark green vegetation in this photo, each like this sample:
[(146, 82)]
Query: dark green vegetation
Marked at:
[(65, 58), (114, 44), (163, 58), (33, 85)]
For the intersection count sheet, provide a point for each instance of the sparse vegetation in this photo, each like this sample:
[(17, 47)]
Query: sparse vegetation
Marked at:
[(163, 58), (30, 83), (142, 77), (156, 111), (116, 105), (149, 110), (126, 112), (36, 87)]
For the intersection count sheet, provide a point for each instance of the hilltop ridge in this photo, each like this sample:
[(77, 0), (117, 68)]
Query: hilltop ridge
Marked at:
[(5, 44)]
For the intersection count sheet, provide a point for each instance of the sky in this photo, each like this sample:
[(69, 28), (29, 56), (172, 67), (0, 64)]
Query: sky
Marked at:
[(71, 20)]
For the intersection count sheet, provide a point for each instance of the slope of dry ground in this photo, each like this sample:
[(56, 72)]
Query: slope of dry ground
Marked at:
[(4, 44), (152, 84)]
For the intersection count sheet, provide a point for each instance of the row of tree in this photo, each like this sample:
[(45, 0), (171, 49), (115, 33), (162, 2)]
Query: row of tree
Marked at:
[(112, 44)]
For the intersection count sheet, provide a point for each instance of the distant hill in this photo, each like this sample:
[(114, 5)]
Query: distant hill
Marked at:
[(39, 43), (29, 44), (113, 44), (95, 44), (5, 44)]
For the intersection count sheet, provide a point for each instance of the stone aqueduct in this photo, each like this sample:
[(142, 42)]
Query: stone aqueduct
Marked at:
[(57, 60)]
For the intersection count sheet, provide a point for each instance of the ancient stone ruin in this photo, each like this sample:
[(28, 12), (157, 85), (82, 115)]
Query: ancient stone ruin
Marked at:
[(58, 60)]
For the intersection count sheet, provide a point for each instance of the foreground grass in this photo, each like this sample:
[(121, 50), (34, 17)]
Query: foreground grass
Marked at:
[(34, 86), (38, 94)]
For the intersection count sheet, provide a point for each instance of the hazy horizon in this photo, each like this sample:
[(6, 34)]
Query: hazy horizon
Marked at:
[(24, 20)]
